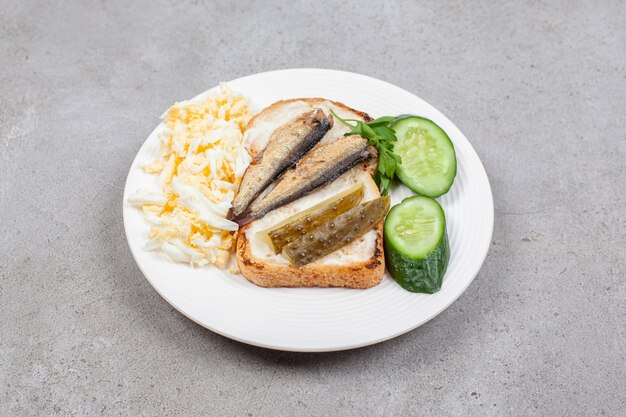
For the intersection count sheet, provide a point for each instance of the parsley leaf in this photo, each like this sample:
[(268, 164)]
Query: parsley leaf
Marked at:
[(381, 136)]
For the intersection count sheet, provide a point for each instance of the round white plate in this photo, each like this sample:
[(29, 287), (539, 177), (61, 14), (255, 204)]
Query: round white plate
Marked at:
[(322, 319)]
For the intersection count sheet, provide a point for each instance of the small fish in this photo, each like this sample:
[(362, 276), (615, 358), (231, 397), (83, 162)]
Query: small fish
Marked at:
[(320, 166), (286, 146)]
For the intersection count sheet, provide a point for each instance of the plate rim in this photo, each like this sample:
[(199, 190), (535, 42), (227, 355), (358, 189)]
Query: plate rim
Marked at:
[(483, 255)]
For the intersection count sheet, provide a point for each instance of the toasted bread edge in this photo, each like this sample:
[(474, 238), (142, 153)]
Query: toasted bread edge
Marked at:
[(313, 100)]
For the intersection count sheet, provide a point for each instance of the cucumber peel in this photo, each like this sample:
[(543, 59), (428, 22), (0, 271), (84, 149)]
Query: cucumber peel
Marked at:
[(417, 250)]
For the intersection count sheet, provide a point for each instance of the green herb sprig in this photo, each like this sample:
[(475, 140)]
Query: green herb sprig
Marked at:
[(382, 137)]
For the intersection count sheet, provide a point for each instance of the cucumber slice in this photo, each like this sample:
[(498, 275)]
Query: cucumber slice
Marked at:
[(428, 159), (416, 244)]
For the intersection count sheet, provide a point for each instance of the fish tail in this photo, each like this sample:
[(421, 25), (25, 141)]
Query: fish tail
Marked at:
[(246, 217)]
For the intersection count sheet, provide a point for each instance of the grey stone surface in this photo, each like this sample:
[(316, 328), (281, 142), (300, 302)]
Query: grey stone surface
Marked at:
[(538, 87)]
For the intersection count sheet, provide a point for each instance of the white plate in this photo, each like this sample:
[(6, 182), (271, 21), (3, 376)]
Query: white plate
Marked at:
[(322, 319)]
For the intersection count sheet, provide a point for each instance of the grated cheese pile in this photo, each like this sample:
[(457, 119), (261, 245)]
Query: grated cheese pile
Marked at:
[(201, 162)]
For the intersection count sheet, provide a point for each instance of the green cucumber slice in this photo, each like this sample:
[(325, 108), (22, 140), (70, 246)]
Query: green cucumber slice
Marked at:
[(416, 244), (428, 159)]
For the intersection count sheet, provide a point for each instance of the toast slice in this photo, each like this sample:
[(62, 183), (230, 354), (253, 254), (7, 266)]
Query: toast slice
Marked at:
[(360, 264)]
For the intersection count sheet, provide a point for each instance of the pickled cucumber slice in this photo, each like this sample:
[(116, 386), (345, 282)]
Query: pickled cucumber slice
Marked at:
[(302, 223), (337, 233)]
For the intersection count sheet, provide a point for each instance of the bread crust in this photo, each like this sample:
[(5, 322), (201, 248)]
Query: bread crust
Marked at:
[(313, 100), (270, 274)]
